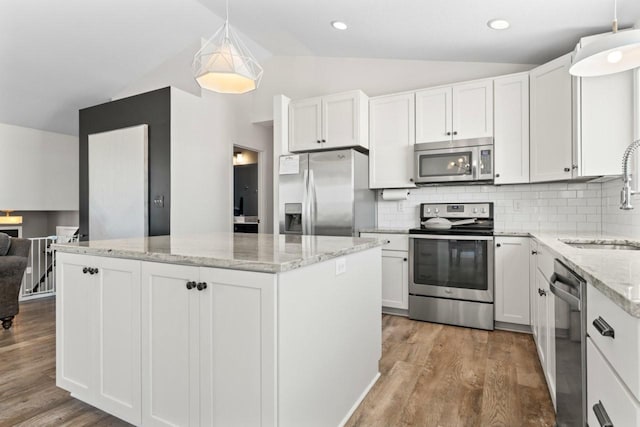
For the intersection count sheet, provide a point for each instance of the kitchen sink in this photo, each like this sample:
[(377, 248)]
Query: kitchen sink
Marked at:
[(603, 244)]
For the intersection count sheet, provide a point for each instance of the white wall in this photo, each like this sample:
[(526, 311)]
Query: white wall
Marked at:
[(201, 163), (526, 207), (39, 170), (305, 76)]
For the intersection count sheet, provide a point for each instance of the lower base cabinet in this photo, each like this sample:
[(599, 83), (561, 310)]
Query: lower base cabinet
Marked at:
[(395, 270), (98, 332), (511, 286)]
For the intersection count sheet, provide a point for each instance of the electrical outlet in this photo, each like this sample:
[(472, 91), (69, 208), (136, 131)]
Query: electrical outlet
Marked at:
[(341, 266), (517, 205)]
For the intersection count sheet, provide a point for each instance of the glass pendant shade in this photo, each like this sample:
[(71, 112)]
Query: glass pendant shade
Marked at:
[(613, 53), (225, 65)]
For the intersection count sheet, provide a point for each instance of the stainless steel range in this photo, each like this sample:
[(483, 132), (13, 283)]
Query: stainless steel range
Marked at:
[(451, 270)]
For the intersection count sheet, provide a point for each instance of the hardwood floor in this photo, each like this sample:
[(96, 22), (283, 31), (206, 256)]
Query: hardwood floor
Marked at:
[(28, 392), (437, 375), (432, 375)]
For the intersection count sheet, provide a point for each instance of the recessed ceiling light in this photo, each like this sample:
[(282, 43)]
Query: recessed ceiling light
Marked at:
[(339, 25), (498, 24)]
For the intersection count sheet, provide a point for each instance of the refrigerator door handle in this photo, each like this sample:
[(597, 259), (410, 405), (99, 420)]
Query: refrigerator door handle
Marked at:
[(305, 202), (313, 204)]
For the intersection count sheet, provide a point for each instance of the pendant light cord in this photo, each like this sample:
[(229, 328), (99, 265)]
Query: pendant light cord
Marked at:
[(615, 16), (226, 23)]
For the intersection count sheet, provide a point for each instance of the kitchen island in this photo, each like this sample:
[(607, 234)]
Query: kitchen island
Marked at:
[(220, 329)]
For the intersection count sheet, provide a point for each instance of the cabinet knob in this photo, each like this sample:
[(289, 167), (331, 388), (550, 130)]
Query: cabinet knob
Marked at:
[(318, 141), (95, 271), (455, 133), (404, 259), (498, 245), (497, 175), (410, 179), (448, 133), (574, 167), (85, 270), (534, 252), (202, 286), (542, 292), (324, 140), (191, 285), (567, 169)]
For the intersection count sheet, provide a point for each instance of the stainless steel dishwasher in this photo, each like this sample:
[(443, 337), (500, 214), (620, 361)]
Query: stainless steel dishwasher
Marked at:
[(570, 294)]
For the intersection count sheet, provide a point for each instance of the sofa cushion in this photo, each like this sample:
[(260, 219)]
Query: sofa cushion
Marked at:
[(5, 244)]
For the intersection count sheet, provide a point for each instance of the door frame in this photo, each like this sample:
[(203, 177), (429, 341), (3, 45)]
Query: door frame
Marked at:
[(261, 199)]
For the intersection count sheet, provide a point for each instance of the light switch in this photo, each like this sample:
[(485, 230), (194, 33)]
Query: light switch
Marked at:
[(341, 266)]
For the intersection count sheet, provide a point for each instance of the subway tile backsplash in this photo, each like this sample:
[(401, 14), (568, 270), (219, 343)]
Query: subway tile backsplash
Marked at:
[(526, 207), (614, 220)]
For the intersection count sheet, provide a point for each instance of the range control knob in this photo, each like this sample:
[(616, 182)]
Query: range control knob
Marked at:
[(484, 210), (428, 210), (475, 210), (436, 210)]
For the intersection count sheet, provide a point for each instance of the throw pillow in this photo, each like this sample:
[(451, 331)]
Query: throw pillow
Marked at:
[(5, 244)]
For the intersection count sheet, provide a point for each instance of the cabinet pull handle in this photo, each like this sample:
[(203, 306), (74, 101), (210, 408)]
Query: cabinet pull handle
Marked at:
[(542, 292), (191, 285), (604, 328), (567, 169), (85, 270), (601, 415), (534, 252), (202, 286)]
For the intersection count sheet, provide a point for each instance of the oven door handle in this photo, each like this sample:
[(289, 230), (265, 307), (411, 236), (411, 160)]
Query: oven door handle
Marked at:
[(449, 237)]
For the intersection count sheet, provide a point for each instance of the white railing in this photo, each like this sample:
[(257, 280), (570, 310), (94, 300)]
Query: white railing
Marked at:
[(39, 278)]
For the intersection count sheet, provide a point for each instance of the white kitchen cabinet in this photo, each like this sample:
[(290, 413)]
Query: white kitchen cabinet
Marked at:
[(511, 129), (305, 124), (333, 121), (98, 328), (511, 291), (543, 313), (457, 112), (395, 270), (189, 375), (392, 137), (551, 121), (604, 123), (434, 120)]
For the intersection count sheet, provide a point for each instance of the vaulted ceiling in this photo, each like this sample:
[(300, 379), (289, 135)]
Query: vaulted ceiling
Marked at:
[(59, 56)]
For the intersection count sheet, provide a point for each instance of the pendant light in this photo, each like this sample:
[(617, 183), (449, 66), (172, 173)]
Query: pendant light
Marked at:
[(225, 65), (612, 53)]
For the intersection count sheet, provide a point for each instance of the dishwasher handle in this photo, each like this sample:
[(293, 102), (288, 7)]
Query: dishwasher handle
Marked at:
[(572, 300)]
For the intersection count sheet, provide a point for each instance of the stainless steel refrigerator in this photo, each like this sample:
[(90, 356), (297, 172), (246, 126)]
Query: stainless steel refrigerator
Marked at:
[(325, 193)]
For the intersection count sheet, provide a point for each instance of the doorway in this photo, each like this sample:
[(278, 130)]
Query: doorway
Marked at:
[(246, 172)]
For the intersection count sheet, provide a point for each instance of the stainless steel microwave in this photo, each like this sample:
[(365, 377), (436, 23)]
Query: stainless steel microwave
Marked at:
[(453, 161)]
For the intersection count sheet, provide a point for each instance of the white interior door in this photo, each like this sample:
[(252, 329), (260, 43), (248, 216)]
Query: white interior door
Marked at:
[(118, 184)]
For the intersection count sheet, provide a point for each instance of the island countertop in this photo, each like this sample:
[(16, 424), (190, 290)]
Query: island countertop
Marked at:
[(266, 253)]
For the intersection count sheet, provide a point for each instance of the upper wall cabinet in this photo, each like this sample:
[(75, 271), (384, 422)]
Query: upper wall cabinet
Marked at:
[(604, 123), (452, 113), (551, 121), (392, 136), (333, 121), (511, 129)]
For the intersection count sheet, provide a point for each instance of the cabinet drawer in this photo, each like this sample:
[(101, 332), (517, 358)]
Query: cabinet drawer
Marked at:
[(606, 390), (397, 242), (623, 349), (545, 261)]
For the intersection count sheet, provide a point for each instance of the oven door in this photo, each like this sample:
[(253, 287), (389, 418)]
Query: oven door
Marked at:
[(455, 267)]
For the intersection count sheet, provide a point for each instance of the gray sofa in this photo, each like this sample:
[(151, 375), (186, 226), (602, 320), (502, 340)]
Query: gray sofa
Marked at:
[(12, 267)]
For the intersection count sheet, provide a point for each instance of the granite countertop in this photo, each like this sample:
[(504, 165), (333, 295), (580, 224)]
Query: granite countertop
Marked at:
[(385, 230), (615, 273), (265, 253)]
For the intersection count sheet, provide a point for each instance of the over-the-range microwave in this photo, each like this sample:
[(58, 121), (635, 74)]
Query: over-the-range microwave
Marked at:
[(454, 161)]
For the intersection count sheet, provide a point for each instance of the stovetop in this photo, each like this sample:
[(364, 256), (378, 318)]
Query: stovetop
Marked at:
[(481, 212)]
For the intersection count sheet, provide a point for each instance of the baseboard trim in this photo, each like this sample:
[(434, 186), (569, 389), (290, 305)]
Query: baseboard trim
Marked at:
[(512, 327), (359, 401), (395, 311)]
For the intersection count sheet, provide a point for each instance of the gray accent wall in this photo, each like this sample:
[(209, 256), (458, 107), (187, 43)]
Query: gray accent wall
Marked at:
[(151, 108)]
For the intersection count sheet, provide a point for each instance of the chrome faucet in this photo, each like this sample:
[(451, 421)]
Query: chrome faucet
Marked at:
[(627, 192)]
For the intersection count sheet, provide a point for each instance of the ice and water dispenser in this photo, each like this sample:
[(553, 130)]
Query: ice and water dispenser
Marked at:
[(293, 218)]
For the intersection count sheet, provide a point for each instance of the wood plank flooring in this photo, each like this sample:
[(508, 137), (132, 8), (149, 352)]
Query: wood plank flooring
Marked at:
[(437, 375), (432, 375)]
